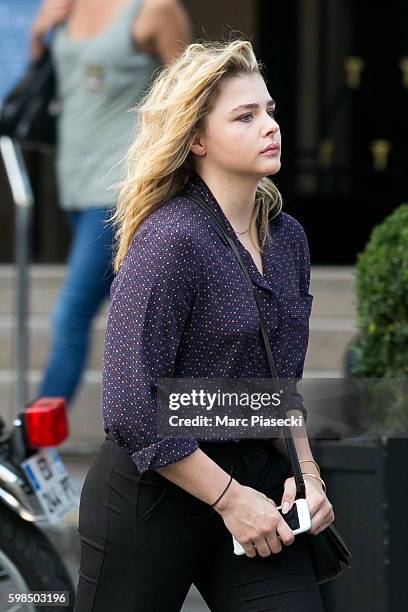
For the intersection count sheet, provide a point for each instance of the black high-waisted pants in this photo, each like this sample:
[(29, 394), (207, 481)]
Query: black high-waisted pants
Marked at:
[(144, 540)]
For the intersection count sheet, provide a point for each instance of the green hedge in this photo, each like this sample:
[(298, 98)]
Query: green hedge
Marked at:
[(382, 313)]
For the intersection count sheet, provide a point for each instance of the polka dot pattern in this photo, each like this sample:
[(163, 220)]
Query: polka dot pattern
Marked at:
[(181, 307)]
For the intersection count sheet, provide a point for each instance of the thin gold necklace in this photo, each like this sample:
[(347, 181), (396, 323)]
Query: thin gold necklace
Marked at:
[(244, 232)]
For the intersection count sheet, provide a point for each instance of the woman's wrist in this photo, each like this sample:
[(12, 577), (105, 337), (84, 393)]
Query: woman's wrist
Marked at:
[(37, 45), (310, 466), (223, 493), (229, 498), (37, 33), (315, 477)]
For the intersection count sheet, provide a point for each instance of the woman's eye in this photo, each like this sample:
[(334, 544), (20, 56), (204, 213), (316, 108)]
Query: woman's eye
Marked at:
[(272, 113), (243, 117)]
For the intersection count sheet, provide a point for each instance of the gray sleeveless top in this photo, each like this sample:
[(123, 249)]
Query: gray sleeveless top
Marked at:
[(99, 80)]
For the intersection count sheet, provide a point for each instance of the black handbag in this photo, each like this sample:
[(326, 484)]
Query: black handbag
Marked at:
[(28, 113), (327, 549)]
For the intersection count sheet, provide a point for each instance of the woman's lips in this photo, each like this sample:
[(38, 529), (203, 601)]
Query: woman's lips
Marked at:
[(272, 150)]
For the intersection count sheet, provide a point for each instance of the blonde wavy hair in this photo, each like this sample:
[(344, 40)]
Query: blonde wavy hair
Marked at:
[(159, 162)]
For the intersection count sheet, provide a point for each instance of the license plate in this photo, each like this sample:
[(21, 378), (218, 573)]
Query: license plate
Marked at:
[(51, 483)]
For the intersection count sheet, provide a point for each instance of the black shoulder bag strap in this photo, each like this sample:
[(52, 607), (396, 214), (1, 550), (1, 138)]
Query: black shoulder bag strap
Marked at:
[(226, 238)]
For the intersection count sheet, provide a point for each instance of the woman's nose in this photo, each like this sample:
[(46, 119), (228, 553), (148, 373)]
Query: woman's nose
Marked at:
[(271, 126)]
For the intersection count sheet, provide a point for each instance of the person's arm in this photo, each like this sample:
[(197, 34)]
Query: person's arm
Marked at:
[(50, 14), (200, 476), (151, 301), (164, 28), (321, 510), (297, 408)]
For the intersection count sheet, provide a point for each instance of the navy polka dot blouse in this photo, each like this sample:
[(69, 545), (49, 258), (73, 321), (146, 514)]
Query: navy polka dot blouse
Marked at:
[(181, 308)]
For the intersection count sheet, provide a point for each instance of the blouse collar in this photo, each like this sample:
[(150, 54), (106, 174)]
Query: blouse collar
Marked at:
[(197, 185)]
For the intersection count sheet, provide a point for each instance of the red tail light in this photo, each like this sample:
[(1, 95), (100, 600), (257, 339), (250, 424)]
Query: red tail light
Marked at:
[(46, 422)]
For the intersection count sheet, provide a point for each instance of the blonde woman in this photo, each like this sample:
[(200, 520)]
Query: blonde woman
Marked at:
[(157, 514)]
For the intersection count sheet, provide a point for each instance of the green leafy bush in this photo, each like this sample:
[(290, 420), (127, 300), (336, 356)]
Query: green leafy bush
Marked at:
[(381, 350)]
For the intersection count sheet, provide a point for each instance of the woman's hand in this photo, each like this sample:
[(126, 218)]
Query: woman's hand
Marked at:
[(50, 14), (252, 518), (321, 510)]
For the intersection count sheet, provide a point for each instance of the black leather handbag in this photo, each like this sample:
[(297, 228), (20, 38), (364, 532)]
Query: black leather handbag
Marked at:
[(328, 549), (28, 113)]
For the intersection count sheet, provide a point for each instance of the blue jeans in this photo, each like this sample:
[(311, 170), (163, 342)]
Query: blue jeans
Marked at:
[(86, 285)]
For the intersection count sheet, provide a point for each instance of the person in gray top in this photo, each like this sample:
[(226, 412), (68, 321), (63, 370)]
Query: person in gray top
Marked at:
[(105, 53)]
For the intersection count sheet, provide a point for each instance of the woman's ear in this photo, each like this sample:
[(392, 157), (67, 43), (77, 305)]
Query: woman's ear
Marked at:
[(198, 147)]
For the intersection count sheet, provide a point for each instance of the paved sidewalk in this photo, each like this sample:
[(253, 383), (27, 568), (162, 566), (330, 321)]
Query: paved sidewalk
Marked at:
[(65, 537)]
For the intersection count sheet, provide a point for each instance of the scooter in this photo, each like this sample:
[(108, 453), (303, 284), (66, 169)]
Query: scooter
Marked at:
[(35, 491), (35, 487)]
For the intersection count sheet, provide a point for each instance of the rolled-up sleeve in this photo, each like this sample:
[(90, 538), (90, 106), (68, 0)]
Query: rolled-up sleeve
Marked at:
[(151, 300)]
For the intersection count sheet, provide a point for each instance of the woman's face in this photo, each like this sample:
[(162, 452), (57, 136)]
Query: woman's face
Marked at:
[(235, 138)]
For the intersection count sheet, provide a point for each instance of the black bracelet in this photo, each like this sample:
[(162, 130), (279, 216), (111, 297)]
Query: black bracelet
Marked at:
[(216, 502)]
